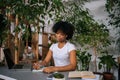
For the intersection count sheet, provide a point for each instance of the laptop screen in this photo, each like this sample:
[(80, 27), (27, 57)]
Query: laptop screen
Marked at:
[(8, 57)]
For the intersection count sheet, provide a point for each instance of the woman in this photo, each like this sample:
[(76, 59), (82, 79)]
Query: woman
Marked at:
[(63, 52)]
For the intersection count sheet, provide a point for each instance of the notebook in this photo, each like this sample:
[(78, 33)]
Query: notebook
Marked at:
[(12, 65), (38, 70)]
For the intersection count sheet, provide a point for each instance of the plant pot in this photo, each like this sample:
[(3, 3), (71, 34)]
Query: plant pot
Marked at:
[(118, 59), (107, 76), (58, 76)]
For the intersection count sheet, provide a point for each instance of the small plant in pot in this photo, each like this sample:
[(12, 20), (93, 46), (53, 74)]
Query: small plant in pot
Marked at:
[(58, 76), (107, 62)]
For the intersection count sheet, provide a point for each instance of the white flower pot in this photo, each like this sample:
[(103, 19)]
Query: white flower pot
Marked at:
[(58, 78)]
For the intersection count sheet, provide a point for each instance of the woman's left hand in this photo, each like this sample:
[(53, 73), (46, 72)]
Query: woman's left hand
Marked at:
[(49, 69)]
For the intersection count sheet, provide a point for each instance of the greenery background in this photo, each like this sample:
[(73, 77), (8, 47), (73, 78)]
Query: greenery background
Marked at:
[(87, 31)]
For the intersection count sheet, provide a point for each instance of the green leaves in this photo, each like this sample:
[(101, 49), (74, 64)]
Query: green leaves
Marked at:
[(31, 9), (113, 8), (31, 12), (58, 75), (87, 30), (84, 59), (107, 62)]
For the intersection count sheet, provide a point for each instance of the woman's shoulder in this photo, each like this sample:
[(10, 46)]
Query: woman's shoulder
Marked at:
[(54, 44), (70, 44)]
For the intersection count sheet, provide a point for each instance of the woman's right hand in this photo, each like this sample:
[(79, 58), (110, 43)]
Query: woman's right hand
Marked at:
[(36, 65)]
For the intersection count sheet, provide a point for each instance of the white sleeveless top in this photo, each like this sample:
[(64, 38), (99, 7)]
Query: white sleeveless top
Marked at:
[(61, 55)]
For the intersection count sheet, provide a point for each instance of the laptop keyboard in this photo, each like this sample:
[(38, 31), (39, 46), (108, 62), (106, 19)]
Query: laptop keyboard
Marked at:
[(18, 66), (27, 66)]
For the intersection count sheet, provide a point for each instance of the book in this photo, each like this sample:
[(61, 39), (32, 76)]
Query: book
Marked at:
[(81, 74)]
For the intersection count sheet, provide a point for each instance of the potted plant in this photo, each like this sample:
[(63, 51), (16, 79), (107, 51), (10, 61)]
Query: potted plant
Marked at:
[(88, 32), (58, 76), (107, 62), (31, 13), (84, 59)]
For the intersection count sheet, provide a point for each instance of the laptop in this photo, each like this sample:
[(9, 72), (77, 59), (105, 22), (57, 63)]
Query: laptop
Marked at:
[(12, 65)]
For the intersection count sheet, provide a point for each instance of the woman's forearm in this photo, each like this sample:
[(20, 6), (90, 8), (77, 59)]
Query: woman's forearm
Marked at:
[(66, 68), (44, 63)]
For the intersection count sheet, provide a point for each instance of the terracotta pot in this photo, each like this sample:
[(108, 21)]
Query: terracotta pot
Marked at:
[(118, 59), (107, 76)]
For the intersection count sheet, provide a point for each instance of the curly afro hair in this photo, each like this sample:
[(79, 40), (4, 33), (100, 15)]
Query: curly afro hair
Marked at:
[(65, 27)]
